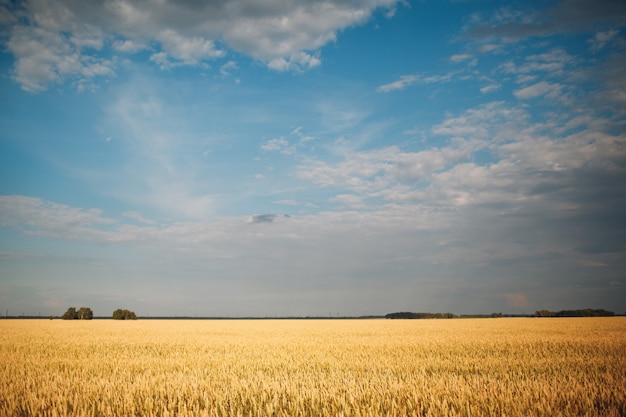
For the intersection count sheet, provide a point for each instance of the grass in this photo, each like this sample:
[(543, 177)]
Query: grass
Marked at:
[(463, 367)]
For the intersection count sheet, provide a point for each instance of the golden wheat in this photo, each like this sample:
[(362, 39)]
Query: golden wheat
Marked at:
[(464, 367)]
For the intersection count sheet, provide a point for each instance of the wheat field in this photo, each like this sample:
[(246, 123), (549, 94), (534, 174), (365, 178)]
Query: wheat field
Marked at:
[(461, 367)]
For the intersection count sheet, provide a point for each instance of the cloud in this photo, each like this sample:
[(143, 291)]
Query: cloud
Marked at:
[(371, 171), (44, 57), (535, 167), (35, 216), (261, 218), (566, 16), (490, 88), (602, 39), (408, 80), (460, 57), (188, 50), (279, 144), (553, 63), (297, 61), (227, 67), (540, 89), (158, 174), (287, 147), (127, 46), (137, 216), (56, 41), (402, 83)]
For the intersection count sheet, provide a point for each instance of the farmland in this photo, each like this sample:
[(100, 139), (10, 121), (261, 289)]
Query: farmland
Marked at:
[(462, 367)]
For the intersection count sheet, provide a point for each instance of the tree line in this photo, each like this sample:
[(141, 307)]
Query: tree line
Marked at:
[(410, 315), (85, 313), (585, 312)]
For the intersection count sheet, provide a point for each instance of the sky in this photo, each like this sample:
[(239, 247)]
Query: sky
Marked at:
[(321, 157)]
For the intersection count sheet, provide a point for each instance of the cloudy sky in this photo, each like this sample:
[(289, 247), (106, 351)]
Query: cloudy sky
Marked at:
[(319, 157)]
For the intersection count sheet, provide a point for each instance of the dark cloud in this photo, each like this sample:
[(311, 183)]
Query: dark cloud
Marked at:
[(261, 218), (567, 16)]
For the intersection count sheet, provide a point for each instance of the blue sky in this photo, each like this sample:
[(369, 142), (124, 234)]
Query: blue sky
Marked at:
[(312, 158)]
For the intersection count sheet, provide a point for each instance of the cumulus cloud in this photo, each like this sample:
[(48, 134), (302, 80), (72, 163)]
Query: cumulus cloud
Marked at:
[(56, 41), (127, 46), (188, 50), (534, 167)]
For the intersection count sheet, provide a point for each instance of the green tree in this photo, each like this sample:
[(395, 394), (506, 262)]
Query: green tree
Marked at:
[(70, 314), (123, 314), (83, 313)]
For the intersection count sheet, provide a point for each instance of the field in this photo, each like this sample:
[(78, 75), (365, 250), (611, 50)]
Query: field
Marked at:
[(461, 367)]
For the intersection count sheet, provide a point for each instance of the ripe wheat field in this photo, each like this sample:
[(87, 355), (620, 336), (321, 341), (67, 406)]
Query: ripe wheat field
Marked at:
[(462, 367)]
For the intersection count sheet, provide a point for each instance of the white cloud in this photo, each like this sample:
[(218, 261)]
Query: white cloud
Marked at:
[(189, 50), (297, 61), (408, 80), (154, 145), (490, 88), (553, 63), (540, 89), (525, 158), (279, 144), (227, 67), (489, 47), (38, 217), (349, 200), (286, 38), (403, 82), (602, 39), (137, 216), (45, 54), (490, 122), (127, 46), (460, 57), (372, 171)]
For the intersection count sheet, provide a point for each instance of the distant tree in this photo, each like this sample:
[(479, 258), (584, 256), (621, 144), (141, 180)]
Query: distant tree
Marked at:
[(83, 313), (409, 315), (70, 314), (585, 312), (494, 315), (123, 314)]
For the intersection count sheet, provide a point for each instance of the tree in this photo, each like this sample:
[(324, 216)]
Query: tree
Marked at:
[(123, 314), (83, 313), (70, 314), (410, 315)]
